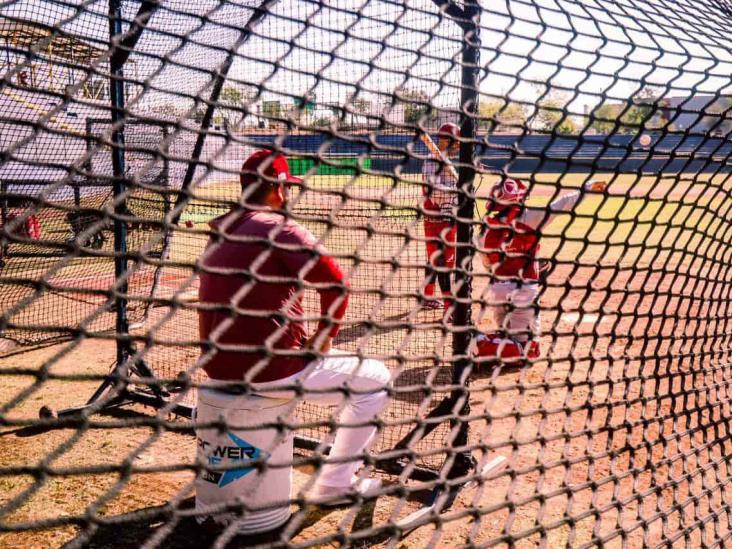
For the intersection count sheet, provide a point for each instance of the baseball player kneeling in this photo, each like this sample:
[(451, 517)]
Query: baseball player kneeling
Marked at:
[(251, 321), (510, 245)]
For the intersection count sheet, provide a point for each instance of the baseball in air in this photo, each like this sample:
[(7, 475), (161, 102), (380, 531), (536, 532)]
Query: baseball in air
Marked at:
[(645, 140)]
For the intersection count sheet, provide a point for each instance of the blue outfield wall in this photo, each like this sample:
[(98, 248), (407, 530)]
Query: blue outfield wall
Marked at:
[(668, 154)]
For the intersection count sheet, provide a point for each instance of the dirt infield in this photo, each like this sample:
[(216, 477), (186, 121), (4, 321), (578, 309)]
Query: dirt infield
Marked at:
[(616, 436), (602, 440)]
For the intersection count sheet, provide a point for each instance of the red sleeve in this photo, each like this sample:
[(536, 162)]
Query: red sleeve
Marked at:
[(333, 293), (304, 256)]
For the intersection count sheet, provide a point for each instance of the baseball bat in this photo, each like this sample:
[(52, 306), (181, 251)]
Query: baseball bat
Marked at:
[(437, 154)]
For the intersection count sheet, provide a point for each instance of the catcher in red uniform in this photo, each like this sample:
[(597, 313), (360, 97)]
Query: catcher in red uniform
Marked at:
[(510, 246), (440, 228)]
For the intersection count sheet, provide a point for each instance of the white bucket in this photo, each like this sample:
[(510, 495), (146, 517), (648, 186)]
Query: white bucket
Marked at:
[(265, 494)]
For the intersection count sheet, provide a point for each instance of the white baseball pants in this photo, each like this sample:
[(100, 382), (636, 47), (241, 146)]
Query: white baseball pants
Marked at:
[(322, 381), (514, 308)]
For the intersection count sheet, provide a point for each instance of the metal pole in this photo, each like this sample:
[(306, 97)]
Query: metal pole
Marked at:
[(3, 203), (121, 45), (457, 404), (464, 252), (459, 462), (166, 174), (119, 186)]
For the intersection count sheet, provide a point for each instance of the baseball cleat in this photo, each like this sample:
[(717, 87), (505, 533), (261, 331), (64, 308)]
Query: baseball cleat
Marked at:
[(330, 496), (432, 305)]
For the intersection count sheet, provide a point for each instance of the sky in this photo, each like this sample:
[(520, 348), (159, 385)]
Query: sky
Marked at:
[(589, 50)]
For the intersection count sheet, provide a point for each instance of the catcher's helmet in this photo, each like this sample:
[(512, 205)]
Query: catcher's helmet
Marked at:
[(509, 192)]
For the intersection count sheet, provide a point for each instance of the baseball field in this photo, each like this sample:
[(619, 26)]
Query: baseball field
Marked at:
[(611, 428)]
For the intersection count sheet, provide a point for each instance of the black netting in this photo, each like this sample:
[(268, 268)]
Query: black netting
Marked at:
[(539, 340)]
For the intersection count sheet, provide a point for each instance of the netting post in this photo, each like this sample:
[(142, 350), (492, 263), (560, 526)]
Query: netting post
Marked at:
[(462, 334), (456, 405), (120, 46), (88, 165), (166, 174), (119, 187), (4, 203), (3, 219)]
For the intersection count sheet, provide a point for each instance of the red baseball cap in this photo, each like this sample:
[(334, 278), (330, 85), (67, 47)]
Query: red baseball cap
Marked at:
[(268, 164)]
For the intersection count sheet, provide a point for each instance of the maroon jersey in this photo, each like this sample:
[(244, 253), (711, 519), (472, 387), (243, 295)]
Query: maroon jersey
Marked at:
[(251, 295)]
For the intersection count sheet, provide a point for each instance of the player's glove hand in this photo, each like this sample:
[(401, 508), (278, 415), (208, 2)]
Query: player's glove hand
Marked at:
[(596, 186)]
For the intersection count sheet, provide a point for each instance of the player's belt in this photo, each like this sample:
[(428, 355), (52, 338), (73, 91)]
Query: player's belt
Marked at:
[(233, 389)]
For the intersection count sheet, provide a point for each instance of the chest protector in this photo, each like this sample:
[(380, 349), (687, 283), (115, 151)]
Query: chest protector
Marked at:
[(512, 248)]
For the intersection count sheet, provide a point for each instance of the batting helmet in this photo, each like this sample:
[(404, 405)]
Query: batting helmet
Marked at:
[(449, 130)]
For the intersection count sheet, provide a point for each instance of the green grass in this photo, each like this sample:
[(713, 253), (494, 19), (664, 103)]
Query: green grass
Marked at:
[(643, 213), (213, 200), (364, 181)]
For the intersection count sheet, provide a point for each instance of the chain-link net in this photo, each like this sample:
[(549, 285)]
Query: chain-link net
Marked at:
[(511, 226)]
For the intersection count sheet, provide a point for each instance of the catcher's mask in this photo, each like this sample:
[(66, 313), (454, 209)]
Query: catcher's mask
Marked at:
[(509, 193)]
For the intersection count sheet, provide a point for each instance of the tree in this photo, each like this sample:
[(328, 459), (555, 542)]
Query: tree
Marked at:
[(567, 126), (513, 114), (488, 110), (638, 110), (321, 122), (199, 113), (605, 117), (500, 116), (361, 105), (645, 110), (551, 115), (358, 104), (271, 109), (233, 103), (417, 105), (168, 111)]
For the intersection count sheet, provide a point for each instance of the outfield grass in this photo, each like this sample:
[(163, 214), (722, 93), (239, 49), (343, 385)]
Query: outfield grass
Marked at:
[(640, 219), (641, 213), (365, 181)]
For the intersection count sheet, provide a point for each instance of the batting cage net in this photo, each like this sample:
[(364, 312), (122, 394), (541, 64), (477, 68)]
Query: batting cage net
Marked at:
[(364, 273)]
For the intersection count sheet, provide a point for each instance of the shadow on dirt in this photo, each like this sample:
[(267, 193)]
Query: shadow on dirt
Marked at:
[(166, 527)]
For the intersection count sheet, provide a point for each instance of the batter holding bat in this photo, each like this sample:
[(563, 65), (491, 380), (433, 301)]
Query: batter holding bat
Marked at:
[(510, 245), (440, 227)]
